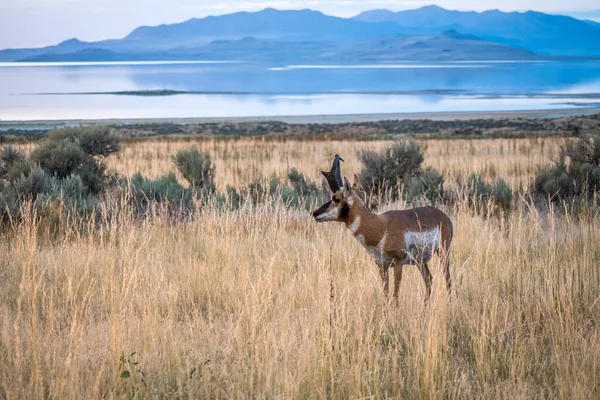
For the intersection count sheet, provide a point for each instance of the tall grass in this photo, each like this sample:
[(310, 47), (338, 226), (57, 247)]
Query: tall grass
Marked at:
[(238, 162), (263, 302)]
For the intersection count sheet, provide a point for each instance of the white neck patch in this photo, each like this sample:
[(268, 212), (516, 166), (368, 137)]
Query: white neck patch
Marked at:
[(355, 225)]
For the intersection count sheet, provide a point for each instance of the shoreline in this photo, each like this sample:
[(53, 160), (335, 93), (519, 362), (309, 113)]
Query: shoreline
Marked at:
[(323, 119)]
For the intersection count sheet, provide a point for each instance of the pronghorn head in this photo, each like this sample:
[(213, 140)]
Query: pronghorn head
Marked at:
[(343, 198)]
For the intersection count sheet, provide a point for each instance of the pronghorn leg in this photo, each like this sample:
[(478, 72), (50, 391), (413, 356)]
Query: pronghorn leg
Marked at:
[(446, 265), (427, 278), (384, 272), (397, 279)]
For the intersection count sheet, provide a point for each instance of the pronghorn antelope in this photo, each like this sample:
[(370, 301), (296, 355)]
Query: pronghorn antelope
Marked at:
[(394, 238)]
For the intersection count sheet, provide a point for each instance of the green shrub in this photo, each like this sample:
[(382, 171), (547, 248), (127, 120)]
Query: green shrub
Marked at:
[(60, 158), (62, 176), (93, 176), (301, 192), (584, 150), (555, 182), (18, 170), (70, 188), (55, 201), (29, 187), (428, 184), (398, 167), (197, 169), (78, 151), (7, 207), (233, 197), (164, 190), (301, 184), (9, 156), (384, 171), (306, 191), (576, 174), (95, 141), (502, 194), (261, 190), (480, 193)]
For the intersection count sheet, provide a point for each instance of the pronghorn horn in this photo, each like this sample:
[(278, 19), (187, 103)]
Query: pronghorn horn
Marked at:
[(334, 177)]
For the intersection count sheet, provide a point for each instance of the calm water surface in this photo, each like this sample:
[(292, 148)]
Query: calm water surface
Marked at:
[(62, 90)]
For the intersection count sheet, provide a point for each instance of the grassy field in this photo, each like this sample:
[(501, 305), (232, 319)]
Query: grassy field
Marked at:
[(240, 161), (265, 303)]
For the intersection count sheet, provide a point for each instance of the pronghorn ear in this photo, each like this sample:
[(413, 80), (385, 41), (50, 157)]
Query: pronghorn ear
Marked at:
[(347, 186), (356, 185)]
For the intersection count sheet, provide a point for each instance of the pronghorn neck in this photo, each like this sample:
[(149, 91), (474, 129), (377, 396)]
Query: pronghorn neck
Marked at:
[(359, 213), (369, 229)]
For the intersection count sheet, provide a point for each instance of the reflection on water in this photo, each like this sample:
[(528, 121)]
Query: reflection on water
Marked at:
[(199, 106), (104, 63), (291, 90), (383, 66)]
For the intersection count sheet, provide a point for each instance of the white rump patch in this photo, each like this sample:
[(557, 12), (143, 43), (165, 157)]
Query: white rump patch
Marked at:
[(420, 246)]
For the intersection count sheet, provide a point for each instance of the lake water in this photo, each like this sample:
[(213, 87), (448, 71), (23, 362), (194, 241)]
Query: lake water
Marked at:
[(59, 91)]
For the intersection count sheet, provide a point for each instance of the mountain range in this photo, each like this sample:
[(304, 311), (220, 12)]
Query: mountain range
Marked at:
[(538, 32), (426, 34)]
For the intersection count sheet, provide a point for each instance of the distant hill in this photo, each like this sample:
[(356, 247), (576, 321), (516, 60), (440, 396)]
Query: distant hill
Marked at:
[(593, 23), (380, 50), (81, 55), (425, 34), (538, 32), (68, 46)]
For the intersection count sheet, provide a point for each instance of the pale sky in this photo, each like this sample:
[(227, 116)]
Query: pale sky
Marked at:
[(33, 23)]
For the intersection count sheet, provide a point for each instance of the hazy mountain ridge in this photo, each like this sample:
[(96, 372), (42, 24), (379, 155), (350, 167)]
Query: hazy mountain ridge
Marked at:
[(593, 23), (546, 34), (270, 23), (425, 34), (390, 49)]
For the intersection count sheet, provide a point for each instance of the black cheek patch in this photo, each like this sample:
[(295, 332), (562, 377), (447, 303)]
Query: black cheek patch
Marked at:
[(344, 211)]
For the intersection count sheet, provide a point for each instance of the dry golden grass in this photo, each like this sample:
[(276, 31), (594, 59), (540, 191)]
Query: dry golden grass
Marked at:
[(240, 161), (265, 303)]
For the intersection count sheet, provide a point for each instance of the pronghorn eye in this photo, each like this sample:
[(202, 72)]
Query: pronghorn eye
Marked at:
[(335, 199)]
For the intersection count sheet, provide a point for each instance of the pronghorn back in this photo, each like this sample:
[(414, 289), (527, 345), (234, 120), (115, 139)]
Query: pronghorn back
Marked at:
[(405, 235), (418, 233)]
